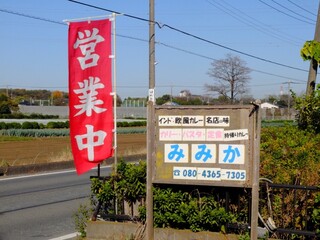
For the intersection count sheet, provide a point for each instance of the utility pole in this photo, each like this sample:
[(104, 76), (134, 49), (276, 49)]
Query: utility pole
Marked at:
[(150, 125), (289, 98), (313, 63), (289, 88)]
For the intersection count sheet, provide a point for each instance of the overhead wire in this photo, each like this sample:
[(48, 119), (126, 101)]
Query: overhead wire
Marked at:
[(143, 40), (193, 36), (30, 16), (251, 22), (288, 9), (157, 42), (205, 57), (289, 15), (301, 8)]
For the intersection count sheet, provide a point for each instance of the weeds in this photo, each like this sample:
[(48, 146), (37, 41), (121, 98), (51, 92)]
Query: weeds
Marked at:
[(81, 218)]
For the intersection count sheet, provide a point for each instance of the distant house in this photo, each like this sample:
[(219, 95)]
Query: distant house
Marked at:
[(185, 93), (169, 103), (268, 105)]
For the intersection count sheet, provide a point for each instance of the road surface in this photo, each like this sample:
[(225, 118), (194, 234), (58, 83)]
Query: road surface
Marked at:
[(42, 206)]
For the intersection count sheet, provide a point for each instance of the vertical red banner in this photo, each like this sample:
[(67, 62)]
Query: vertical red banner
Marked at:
[(90, 101)]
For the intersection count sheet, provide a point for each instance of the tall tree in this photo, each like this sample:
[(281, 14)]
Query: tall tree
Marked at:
[(311, 51), (231, 76)]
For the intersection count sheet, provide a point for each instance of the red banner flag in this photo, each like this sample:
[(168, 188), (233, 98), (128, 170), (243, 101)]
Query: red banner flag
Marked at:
[(90, 101)]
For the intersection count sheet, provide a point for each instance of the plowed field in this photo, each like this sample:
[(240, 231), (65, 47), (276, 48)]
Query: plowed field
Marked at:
[(44, 150)]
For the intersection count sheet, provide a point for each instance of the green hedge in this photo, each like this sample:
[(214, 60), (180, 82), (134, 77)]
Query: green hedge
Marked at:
[(59, 125), (173, 208), (58, 132), (35, 132), (31, 116)]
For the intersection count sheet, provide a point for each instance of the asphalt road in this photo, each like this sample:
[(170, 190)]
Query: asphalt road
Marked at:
[(42, 206)]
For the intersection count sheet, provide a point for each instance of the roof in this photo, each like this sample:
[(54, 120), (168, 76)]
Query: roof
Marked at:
[(268, 105), (170, 104)]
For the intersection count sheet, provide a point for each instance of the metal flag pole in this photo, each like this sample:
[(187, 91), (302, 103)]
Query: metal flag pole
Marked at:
[(114, 77), (87, 18), (115, 102), (113, 19)]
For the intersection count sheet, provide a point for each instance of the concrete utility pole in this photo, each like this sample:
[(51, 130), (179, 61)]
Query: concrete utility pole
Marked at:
[(313, 63), (289, 98), (150, 124)]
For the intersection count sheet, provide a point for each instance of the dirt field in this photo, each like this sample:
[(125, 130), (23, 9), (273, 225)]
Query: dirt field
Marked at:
[(44, 150)]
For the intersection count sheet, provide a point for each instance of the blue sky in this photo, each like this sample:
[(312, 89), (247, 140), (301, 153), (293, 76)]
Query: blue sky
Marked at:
[(34, 52)]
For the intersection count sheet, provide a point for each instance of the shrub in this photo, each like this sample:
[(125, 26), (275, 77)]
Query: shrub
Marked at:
[(4, 108), (81, 218), (172, 208), (3, 125), (137, 124), (125, 124), (41, 116), (17, 115), (35, 132), (290, 156), (57, 125), (316, 213), (30, 125), (14, 125), (309, 110)]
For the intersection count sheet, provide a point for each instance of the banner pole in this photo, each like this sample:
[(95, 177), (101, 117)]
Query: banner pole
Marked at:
[(115, 140), (114, 90)]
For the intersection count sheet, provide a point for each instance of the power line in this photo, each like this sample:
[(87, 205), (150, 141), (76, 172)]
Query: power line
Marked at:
[(36, 87), (288, 9), (234, 50), (301, 8), (278, 10), (204, 56), (29, 16), (160, 26), (280, 76), (193, 36), (250, 21), (139, 39)]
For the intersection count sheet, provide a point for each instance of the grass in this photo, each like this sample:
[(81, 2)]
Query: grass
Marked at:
[(15, 139), (16, 151)]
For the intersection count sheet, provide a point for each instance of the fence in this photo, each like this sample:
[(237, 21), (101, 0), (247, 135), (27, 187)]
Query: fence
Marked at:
[(288, 210), (285, 211)]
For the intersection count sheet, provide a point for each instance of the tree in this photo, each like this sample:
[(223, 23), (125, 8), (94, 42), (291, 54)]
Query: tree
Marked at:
[(161, 100), (308, 108), (57, 98), (231, 76), (119, 101), (311, 51), (7, 106)]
